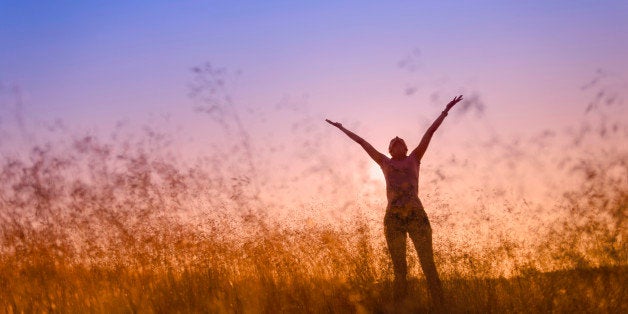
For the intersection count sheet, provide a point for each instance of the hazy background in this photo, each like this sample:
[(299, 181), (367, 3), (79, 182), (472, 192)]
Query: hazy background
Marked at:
[(244, 88)]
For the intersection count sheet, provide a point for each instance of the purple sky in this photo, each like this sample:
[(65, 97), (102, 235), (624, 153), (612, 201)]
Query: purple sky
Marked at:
[(93, 62)]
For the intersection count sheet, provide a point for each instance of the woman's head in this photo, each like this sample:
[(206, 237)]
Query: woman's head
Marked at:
[(397, 148)]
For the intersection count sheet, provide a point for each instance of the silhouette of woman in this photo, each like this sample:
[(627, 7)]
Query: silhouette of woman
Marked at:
[(405, 213)]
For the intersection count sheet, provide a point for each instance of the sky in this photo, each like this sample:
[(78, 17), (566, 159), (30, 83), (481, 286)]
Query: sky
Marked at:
[(382, 69), (95, 61)]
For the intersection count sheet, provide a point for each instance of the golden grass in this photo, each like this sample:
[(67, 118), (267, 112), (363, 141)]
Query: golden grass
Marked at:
[(101, 229), (309, 271)]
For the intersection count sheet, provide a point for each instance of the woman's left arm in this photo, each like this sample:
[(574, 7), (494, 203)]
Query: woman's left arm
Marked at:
[(419, 151)]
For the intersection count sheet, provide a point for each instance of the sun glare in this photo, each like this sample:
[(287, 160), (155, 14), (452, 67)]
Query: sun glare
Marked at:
[(375, 172)]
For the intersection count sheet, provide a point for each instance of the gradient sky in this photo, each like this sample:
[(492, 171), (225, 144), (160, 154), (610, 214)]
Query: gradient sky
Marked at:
[(93, 61), (383, 69)]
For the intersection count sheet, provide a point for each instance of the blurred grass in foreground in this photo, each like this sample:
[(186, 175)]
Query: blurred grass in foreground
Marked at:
[(291, 288), (123, 226), (310, 271), (105, 228)]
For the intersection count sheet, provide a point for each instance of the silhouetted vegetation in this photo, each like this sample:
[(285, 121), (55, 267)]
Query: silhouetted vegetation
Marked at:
[(94, 225)]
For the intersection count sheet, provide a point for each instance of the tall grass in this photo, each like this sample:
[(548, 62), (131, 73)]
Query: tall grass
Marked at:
[(93, 225), (104, 227)]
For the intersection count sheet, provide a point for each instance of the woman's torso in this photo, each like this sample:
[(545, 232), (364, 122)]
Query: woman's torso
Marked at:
[(402, 184)]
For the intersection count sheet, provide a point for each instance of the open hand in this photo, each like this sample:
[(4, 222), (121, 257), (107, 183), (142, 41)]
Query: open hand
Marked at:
[(453, 102), (336, 124)]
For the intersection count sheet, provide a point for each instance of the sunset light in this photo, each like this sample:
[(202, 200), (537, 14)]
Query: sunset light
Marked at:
[(313, 157)]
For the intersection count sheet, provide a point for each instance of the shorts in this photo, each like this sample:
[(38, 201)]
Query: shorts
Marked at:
[(411, 211)]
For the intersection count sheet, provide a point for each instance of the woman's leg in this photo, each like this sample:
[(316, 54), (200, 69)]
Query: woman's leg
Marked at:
[(396, 242), (420, 232)]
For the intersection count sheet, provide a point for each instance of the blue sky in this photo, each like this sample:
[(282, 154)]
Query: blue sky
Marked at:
[(102, 61)]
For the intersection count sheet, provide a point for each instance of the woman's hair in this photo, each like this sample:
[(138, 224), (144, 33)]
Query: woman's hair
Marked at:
[(395, 140)]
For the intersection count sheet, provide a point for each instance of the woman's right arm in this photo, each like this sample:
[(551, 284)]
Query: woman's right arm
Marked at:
[(375, 155)]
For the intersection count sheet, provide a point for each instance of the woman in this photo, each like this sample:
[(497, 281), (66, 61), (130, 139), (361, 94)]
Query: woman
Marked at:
[(405, 213)]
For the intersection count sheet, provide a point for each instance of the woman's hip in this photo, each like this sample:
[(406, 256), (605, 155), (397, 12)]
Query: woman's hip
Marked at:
[(409, 211)]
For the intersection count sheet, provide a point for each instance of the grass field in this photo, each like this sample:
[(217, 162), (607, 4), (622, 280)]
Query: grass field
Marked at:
[(95, 228), (323, 273)]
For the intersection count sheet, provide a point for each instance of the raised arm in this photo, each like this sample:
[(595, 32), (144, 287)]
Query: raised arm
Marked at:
[(425, 141), (375, 155)]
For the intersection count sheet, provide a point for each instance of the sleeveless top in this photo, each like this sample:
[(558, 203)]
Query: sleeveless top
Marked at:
[(402, 184)]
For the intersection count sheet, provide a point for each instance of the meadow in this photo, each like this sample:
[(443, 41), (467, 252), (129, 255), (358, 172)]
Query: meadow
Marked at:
[(122, 224), (107, 227)]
